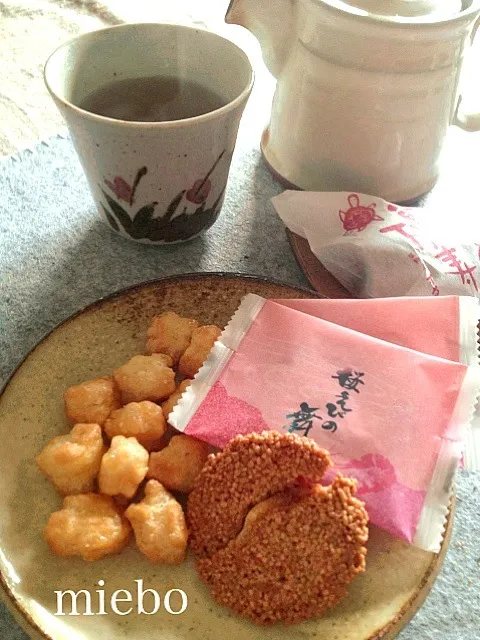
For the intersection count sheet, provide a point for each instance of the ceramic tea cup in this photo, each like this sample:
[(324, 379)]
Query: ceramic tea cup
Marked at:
[(163, 181)]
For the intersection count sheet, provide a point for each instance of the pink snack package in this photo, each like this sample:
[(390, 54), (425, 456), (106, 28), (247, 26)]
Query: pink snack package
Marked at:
[(444, 326), (393, 418)]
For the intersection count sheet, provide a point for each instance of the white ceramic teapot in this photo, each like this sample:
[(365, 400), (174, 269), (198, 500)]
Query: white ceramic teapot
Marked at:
[(366, 89)]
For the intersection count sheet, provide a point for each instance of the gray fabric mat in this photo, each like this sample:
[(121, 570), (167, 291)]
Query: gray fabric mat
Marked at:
[(56, 256)]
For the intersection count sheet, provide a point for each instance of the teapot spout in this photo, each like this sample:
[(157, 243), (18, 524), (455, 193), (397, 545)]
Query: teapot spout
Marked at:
[(272, 23)]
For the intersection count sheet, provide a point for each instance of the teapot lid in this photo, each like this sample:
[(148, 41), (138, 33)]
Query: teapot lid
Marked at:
[(420, 9)]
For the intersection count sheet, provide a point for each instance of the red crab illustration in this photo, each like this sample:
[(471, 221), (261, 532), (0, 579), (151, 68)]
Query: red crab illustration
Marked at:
[(357, 217)]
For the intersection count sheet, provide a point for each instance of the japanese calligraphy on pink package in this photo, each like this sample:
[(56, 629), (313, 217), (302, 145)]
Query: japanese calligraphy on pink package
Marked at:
[(378, 249), (393, 418), (444, 326)]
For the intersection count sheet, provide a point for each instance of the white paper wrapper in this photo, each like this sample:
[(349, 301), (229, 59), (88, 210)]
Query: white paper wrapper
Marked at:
[(377, 249)]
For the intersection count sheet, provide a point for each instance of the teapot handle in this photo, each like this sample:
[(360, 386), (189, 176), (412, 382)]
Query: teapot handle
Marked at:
[(466, 121), (463, 119)]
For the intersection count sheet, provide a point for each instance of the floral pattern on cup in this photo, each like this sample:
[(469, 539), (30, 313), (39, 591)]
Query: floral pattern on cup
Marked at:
[(122, 189), (199, 192), (142, 225)]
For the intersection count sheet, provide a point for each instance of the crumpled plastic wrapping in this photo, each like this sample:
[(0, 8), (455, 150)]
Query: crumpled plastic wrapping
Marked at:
[(377, 249)]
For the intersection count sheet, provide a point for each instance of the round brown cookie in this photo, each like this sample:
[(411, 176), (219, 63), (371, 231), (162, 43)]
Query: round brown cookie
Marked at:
[(294, 557), (250, 469)]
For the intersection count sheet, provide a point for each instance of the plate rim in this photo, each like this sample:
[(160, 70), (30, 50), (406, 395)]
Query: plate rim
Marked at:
[(237, 275), (388, 632), (20, 615)]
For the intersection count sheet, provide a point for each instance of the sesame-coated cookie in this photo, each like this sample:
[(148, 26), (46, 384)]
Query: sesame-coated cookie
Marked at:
[(294, 557), (250, 469)]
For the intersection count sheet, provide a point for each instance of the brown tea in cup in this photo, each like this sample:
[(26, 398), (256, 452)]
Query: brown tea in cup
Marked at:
[(152, 99)]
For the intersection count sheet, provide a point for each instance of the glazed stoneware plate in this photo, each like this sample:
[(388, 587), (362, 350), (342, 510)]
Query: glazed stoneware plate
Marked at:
[(92, 343)]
